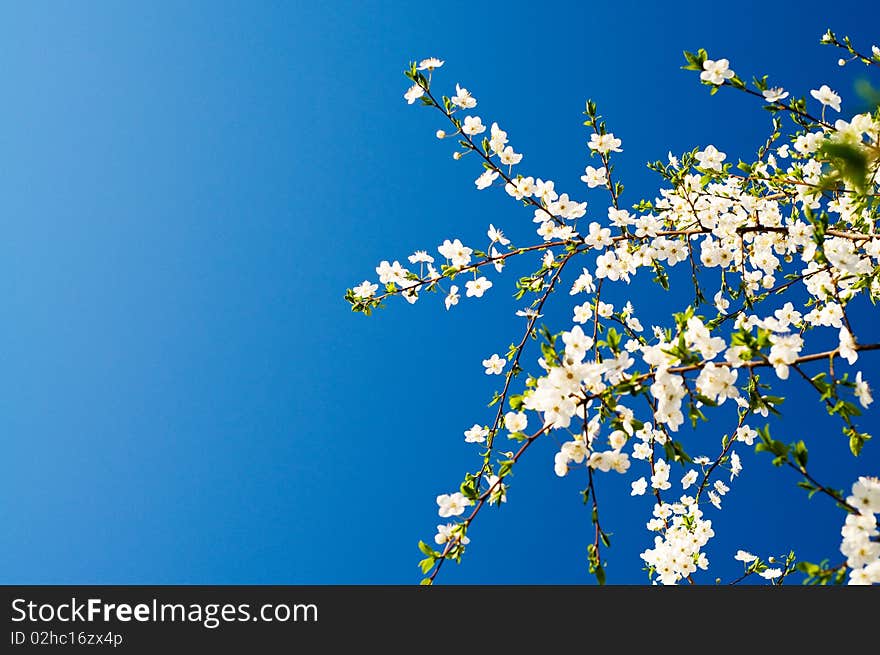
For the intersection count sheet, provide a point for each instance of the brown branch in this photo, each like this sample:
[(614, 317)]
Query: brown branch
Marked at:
[(482, 501)]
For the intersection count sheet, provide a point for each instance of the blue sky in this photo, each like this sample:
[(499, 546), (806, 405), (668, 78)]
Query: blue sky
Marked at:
[(187, 189)]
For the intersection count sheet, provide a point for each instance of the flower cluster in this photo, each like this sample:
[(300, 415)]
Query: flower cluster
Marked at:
[(861, 539), (677, 552)]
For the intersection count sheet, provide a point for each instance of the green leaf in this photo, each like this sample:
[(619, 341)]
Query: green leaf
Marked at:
[(800, 454), (849, 162), (856, 442)]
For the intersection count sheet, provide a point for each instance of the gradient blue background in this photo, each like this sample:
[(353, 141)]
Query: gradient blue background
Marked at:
[(186, 189)]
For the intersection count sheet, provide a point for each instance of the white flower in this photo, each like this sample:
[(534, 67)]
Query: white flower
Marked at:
[(413, 93), (599, 237), (366, 289), (866, 495), (617, 439), (420, 256), (499, 490), (473, 125), (452, 504), (784, 352), (688, 479), (456, 252), (711, 158), (744, 556), (847, 347), (610, 460), (715, 72), (508, 157), (477, 288), (449, 532), (746, 435), (827, 97), (775, 94), (639, 487), (642, 450), (619, 217), (494, 365), (516, 421), (721, 303), (567, 208), (786, 316), (560, 465), (863, 391), (393, 272), (429, 64), (720, 487), (521, 188), (497, 259), (604, 143), (453, 297), (529, 313), (463, 98), (660, 478), (583, 313), (867, 575), (476, 434), (770, 574), (702, 340), (594, 177), (497, 236), (497, 138), (576, 342), (485, 180), (584, 281), (735, 465), (717, 382)]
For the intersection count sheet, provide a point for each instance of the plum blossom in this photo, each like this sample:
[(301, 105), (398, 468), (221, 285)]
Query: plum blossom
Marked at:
[(413, 93), (827, 97), (477, 288), (710, 157), (450, 532), (476, 434), (494, 365), (463, 98), (775, 94), (452, 504), (716, 72), (594, 177), (604, 143), (429, 64)]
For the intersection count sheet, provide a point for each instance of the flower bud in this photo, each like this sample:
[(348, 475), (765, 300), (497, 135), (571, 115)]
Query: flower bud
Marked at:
[(441, 134)]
